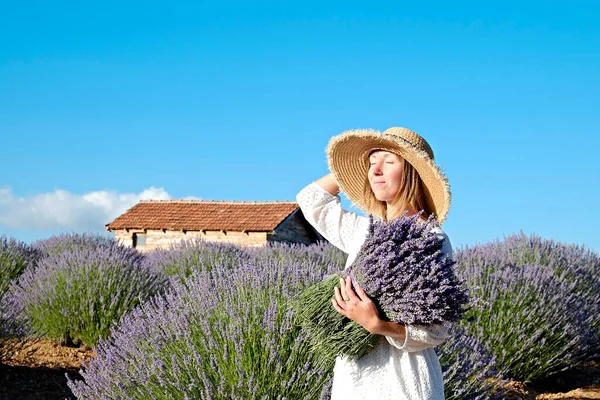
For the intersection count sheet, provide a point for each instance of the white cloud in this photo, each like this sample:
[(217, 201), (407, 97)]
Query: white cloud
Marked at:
[(65, 210)]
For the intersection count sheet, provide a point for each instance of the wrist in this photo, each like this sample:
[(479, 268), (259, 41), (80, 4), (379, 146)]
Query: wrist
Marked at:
[(388, 328), (376, 326)]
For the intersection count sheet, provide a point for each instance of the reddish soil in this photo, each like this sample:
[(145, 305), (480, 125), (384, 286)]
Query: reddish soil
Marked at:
[(38, 373), (581, 383)]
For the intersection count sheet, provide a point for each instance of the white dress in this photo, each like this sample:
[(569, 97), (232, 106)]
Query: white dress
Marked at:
[(407, 370)]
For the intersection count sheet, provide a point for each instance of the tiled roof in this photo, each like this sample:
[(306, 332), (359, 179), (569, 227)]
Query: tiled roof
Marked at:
[(195, 215)]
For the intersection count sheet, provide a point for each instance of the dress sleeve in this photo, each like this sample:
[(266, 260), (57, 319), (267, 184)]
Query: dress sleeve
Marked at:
[(420, 337), (325, 213)]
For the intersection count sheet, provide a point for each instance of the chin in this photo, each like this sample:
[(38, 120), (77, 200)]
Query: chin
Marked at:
[(381, 198)]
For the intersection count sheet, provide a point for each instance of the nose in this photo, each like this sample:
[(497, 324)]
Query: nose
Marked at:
[(376, 168)]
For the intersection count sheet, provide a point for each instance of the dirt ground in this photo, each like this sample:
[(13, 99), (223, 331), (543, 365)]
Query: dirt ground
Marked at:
[(38, 373), (582, 383)]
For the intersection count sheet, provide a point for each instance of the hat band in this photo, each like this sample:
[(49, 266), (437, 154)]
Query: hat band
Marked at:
[(395, 138)]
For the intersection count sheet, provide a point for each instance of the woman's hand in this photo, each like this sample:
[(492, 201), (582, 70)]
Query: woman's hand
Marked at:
[(361, 309), (356, 305)]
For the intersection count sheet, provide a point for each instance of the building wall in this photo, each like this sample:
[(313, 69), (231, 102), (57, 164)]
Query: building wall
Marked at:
[(159, 239)]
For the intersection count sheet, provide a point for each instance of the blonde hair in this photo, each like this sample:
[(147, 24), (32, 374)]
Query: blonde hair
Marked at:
[(412, 194)]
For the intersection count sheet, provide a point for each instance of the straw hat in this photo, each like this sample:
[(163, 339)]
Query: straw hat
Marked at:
[(348, 159)]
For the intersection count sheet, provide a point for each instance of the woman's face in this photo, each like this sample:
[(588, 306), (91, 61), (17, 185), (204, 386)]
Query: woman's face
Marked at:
[(385, 174)]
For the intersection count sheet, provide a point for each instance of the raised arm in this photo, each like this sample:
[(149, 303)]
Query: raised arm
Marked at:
[(329, 183), (320, 204)]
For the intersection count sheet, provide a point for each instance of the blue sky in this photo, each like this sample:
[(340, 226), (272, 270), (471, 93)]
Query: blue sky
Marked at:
[(105, 103)]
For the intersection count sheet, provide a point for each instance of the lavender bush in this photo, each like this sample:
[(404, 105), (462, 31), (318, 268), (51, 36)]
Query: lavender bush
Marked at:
[(75, 295), (321, 253), (534, 323), (13, 332), (575, 263), (470, 370), (15, 257), (187, 256), (223, 333), (402, 268), (75, 242)]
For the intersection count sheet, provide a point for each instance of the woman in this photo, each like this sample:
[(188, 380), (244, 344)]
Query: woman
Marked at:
[(384, 174)]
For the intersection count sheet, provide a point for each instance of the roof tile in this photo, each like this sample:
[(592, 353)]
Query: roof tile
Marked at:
[(202, 214)]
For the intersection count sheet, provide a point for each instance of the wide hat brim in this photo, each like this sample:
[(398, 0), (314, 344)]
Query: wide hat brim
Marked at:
[(348, 159)]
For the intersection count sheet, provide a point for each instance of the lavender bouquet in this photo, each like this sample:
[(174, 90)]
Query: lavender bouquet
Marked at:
[(402, 268)]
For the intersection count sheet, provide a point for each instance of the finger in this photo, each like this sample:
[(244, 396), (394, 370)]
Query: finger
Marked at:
[(338, 297), (349, 291), (342, 289), (337, 307), (362, 294)]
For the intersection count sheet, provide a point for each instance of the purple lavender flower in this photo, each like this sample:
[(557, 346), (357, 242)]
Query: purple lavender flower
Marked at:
[(402, 268), (76, 241), (184, 257), (318, 254), (469, 368)]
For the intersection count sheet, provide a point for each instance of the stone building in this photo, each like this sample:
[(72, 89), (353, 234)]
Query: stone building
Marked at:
[(152, 224)]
